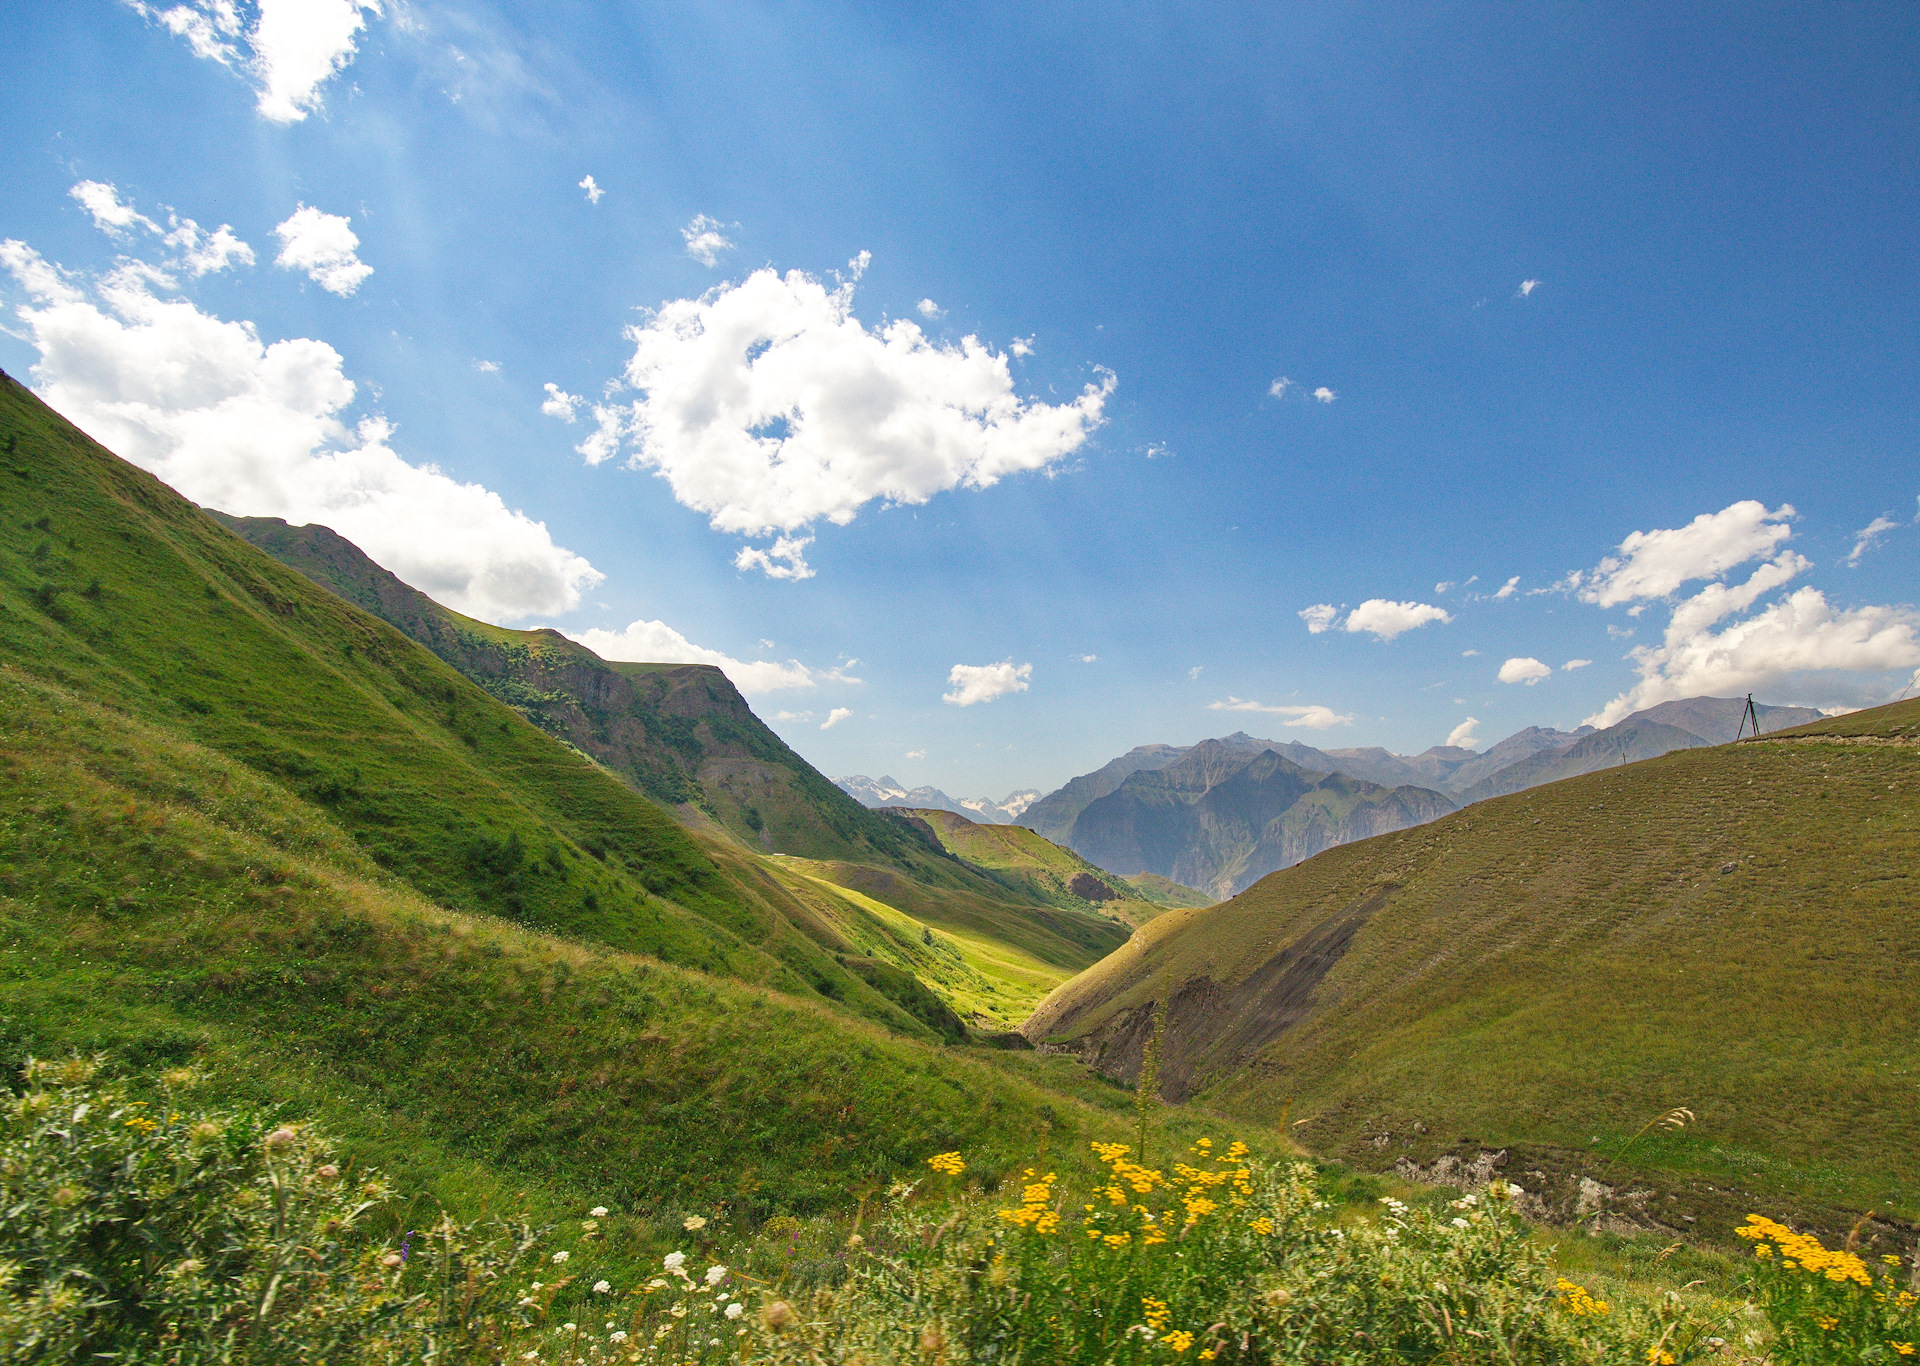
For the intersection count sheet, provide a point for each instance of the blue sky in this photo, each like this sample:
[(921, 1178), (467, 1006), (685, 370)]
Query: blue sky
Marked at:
[(1169, 209)]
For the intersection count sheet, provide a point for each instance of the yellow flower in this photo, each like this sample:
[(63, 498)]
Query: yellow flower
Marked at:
[(950, 1164), (1905, 1349), (1262, 1226), (1577, 1301), (1178, 1340)]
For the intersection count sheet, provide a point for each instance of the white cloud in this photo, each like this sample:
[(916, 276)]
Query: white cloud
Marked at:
[(973, 683), (835, 717), (324, 246), (929, 309), (1653, 564), (1463, 735), (1089, 659), (293, 48), (200, 252), (1524, 670), (1384, 620), (1506, 589), (767, 405), (1527, 287), (1801, 634), (1324, 394), (1573, 664), (704, 240), (1311, 717), (1439, 588), (916, 754), (655, 642), (792, 715), (487, 367), (1279, 387), (592, 188), (1619, 632), (1469, 654), (1319, 617), (110, 215), (1193, 674), (560, 403), (1022, 347), (257, 430), (1866, 536), (790, 551)]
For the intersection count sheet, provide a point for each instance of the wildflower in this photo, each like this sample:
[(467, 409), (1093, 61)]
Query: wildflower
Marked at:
[(735, 1310), (1179, 1339), (674, 1260), (1905, 1349), (1658, 1357), (679, 1311), (1576, 1301), (693, 1223), (1460, 1223), (601, 1287), (779, 1316), (932, 1340), (562, 1255), (598, 1212), (1262, 1226), (656, 1284), (280, 1139), (716, 1274), (949, 1164), (326, 1172), (617, 1336), (854, 1240), (391, 1260)]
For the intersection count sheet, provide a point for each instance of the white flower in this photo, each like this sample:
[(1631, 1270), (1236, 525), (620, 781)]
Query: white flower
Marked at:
[(1461, 1223), (569, 1327), (561, 1256), (619, 1335), (601, 1287), (734, 1311), (657, 1283), (693, 1223), (673, 1261), (598, 1211), (716, 1274), (534, 1286)]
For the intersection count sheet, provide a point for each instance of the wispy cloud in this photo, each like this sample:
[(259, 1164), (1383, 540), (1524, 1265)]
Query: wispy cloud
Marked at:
[(560, 403), (1573, 664), (1527, 287), (835, 717), (1311, 717), (292, 49), (593, 190), (1506, 589), (704, 240), (1865, 538)]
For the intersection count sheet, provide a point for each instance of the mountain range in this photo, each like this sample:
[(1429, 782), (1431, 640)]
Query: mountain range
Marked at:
[(1221, 814), (886, 792)]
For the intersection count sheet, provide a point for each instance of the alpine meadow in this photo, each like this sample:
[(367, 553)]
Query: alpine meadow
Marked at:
[(1024, 685)]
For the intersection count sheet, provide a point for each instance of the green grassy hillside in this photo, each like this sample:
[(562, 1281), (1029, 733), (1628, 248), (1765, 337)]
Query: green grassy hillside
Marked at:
[(1729, 929), (1030, 863), (244, 821), (115, 587), (682, 734)]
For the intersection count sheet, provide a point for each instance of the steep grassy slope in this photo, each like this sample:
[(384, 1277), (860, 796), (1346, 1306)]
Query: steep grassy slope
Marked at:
[(166, 902), (1037, 866), (114, 586), (1218, 820), (682, 734), (1730, 929)]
